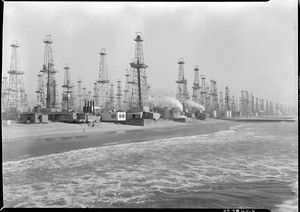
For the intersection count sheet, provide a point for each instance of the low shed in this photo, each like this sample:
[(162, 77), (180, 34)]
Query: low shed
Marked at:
[(29, 118)]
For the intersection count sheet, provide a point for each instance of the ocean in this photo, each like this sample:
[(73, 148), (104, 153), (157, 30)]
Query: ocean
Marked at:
[(252, 165)]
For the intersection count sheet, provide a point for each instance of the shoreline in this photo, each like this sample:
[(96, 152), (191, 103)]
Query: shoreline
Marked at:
[(40, 144), (23, 132)]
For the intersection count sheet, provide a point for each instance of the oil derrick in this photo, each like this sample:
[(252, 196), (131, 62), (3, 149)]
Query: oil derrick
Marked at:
[(126, 100), (26, 105), (281, 108), (49, 83), (182, 93), (277, 106), (119, 96), (79, 96), (185, 91), (227, 99), (67, 89), (139, 54), (213, 94), (259, 105), (134, 89), (95, 93), (84, 95), (196, 86), (247, 103), (203, 90), (103, 82), (256, 106), (271, 108), (148, 88), (262, 105), (267, 108), (242, 104), (89, 96), (40, 93), (233, 106), (4, 94), (145, 93), (284, 109), (288, 111), (207, 99), (73, 97), (55, 94), (139, 94), (252, 104), (221, 103), (111, 97), (15, 88)]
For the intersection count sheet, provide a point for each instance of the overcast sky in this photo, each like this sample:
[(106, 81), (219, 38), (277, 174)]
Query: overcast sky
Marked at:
[(246, 46)]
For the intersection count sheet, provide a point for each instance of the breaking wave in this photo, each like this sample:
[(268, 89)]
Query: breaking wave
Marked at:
[(245, 160)]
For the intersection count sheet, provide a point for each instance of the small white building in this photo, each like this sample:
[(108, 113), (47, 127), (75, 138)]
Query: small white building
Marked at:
[(113, 116)]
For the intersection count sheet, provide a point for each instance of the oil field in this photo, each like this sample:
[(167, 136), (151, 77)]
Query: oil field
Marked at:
[(132, 104)]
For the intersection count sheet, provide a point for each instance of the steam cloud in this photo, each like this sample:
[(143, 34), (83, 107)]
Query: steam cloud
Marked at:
[(166, 101), (196, 105)]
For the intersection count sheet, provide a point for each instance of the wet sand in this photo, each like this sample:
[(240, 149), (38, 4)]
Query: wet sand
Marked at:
[(25, 141)]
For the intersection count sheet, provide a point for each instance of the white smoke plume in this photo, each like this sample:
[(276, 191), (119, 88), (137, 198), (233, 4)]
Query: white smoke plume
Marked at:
[(178, 115), (196, 105), (166, 101)]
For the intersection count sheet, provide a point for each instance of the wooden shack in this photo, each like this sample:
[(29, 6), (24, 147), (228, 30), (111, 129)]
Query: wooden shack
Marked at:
[(31, 118), (70, 117)]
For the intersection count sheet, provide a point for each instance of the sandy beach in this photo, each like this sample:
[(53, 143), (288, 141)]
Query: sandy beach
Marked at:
[(21, 141)]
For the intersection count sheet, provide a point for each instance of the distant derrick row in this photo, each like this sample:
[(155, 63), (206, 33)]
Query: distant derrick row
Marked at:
[(249, 106), (224, 105)]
